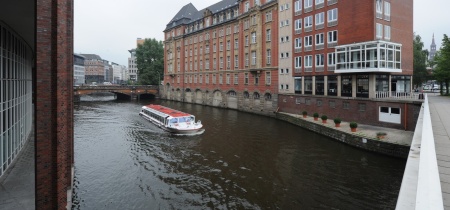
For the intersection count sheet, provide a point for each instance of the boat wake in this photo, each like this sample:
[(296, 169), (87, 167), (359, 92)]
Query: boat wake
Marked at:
[(189, 134)]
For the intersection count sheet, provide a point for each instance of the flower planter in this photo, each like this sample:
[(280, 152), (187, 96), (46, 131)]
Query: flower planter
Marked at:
[(324, 121), (353, 129), (380, 137), (305, 116), (337, 125), (316, 118)]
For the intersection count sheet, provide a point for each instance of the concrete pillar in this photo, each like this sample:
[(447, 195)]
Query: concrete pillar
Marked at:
[(325, 85), (339, 85), (353, 86), (313, 85), (390, 87), (303, 85), (372, 86)]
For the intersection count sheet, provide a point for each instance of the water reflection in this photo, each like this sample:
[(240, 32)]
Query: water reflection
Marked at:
[(242, 161)]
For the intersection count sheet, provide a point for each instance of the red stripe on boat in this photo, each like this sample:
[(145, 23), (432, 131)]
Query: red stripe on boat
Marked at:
[(168, 111)]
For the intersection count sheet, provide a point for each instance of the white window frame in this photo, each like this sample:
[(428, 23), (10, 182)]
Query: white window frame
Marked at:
[(319, 60), (332, 15), (331, 61), (269, 56), (298, 43), (253, 37), (298, 24), (308, 61), (320, 18), (319, 2), (320, 39), (387, 32), (308, 41), (387, 11), (298, 62), (308, 3), (379, 31), (330, 36), (268, 35), (308, 22), (298, 5), (253, 58)]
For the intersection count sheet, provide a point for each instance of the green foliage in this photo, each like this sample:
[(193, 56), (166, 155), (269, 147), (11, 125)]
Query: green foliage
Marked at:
[(442, 70), (420, 58), (150, 62), (337, 120), (324, 117), (381, 133), (316, 115), (304, 112), (353, 125)]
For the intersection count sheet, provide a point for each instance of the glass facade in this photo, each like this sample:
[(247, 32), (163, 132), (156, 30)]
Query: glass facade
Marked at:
[(308, 85), (346, 89), (377, 56), (15, 95), (332, 85), (320, 87), (362, 86), (298, 85)]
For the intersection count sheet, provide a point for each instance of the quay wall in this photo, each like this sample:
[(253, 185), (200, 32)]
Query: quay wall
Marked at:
[(369, 144)]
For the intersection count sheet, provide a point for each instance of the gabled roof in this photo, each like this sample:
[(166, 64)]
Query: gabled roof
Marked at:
[(189, 13)]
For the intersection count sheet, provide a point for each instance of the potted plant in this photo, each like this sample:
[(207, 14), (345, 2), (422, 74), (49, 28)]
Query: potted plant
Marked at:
[(316, 116), (324, 118), (337, 122), (381, 135), (353, 126), (304, 113)]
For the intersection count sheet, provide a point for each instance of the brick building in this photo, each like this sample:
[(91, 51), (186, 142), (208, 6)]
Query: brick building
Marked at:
[(350, 56), (95, 68), (36, 79), (224, 55)]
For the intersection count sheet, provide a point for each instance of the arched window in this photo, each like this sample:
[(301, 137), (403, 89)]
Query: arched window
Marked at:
[(255, 95), (268, 96), (246, 95)]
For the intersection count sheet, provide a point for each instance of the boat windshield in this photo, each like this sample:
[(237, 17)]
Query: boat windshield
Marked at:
[(186, 119), (174, 120)]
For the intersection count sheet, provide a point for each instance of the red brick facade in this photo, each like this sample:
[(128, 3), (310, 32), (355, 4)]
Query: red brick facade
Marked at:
[(201, 62), (54, 103)]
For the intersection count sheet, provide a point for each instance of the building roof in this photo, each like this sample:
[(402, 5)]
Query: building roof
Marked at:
[(189, 13), (92, 57), (167, 111)]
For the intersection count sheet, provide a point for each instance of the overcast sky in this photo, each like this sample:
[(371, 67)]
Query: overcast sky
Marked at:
[(109, 28)]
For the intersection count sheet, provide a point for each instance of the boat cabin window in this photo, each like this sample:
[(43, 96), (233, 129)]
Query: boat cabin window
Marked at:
[(174, 120)]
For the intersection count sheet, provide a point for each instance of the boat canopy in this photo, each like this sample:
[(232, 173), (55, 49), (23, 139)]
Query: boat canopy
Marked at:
[(166, 112)]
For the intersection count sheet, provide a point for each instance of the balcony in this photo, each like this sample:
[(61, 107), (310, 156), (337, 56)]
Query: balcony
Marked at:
[(374, 56), (398, 95)]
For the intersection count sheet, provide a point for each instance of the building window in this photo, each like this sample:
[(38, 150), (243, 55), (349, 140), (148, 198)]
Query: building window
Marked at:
[(220, 79), (319, 60), (228, 45), (269, 56), (332, 15), (320, 18), (308, 22), (246, 59), (308, 41), (332, 36), (236, 79), (268, 78), (236, 61), (379, 8), (256, 80), (246, 78), (308, 4), (332, 85), (236, 44), (379, 30), (246, 6), (362, 86), (308, 61), (214, 63), (308, 85), (320, 87), (246, 41), (387, 11), (228, 62), (362, 107), (207, 78), (268, 35), (298, 62), (268, 16), (331, 59), (298, 43), (298, 5), (221, 62), (214, 78), (298, 25), (253, 57), (319, 39), (387, 32), (253, 37), (228, 79), (346, 105), (298, 85), (346, 89)]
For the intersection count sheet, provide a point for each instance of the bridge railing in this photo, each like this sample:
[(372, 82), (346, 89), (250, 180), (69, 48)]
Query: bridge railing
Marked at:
[(421, 185), (116, 87)]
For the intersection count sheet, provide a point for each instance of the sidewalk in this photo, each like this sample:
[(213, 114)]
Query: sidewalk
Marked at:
[(17, 185), (440, 120), (393, 136)]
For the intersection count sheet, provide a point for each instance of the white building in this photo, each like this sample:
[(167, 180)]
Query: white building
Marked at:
[(78, 69)]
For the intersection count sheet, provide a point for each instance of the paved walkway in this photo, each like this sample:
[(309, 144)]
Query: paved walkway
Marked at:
[(17, 185), (394, 136), (440, 120)]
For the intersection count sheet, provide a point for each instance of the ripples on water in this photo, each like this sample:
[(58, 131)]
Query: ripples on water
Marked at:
[(241, 161)]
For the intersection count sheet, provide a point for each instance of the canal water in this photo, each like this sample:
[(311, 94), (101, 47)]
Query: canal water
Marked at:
[(241, 161)]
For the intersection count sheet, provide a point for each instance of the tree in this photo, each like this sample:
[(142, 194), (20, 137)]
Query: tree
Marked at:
[(420, 59), (150, 62), (442, 59)]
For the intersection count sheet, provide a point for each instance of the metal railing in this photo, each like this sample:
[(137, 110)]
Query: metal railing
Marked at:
[(399, 95)]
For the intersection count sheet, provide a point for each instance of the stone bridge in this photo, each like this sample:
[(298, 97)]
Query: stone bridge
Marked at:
[(133, 92)]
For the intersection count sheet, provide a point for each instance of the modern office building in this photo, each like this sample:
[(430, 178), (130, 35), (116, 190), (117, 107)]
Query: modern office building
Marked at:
[(351, 55), (224, 55), (132, 74), (78, 70), (95, 68), (119, 72)]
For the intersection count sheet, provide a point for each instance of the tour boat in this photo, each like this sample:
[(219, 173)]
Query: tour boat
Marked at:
[(171, 120)]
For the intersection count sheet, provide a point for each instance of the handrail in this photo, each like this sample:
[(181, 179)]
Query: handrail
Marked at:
[(429, 192)]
